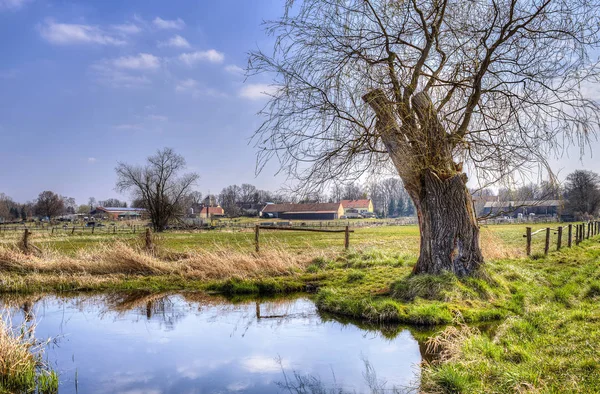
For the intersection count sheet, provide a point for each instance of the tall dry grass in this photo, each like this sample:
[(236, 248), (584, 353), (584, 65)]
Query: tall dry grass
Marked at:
[(494, 248), (120, 258), (21, 369)]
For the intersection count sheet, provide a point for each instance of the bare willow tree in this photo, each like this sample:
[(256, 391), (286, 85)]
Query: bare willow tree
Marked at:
[(159, 185), (437, 88)]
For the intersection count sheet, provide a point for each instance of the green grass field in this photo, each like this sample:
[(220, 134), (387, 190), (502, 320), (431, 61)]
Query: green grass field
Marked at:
[(401, 239)]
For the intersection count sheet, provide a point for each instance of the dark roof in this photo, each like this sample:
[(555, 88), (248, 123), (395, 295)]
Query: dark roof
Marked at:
[(356, 203), (527, 203), (119, 209), (313, 207)]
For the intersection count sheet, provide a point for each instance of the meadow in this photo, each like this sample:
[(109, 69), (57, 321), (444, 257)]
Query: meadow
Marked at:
[(541, 313)]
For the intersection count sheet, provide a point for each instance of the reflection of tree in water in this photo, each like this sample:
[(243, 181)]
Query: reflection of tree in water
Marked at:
[(157, 307), (296, 383), (168, 308)]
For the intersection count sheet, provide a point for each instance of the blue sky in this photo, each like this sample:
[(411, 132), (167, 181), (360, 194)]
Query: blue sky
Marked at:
[(84, 84)]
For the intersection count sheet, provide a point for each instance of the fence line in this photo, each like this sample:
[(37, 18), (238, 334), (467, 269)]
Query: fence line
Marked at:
[(581, 233), (258, 227)]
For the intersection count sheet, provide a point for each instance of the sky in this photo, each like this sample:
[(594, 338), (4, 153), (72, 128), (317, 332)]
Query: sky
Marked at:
[(86, 84)]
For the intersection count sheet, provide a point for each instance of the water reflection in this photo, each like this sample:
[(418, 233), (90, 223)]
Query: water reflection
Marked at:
[(197, 343)]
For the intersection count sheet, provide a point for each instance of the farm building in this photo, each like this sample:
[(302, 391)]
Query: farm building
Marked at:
[(524, 208), (118, 213), (357, 206), (211, 212), (313, 211)]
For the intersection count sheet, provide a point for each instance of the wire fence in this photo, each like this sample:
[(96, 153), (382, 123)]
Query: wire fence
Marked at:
[(565, 235)]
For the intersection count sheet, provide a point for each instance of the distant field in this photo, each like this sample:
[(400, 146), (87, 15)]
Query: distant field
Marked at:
[(497, 240)]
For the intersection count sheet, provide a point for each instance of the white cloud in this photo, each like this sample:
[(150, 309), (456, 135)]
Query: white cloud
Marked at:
[(108, 75), (127, 126), (92, 160), (262, 364), (193, 58), (158, 118), (186, 85), (257, 91), (141, 61), (127, 28), (12, 4), (177, 24), (192, 87), (67, 34), (233, 69), (175, 42)]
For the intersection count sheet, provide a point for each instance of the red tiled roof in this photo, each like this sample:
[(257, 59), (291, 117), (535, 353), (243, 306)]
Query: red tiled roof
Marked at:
[(297, 208), (355, 203), (213, 211)]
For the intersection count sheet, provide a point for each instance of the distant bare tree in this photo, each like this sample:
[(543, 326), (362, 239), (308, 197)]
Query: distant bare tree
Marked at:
[(337, 192), (49, 204), (5, 204), (113, 203), (434, 88), (228, 199), (248, 194), (158, 185), (582, 188), (93, 204), (353, 191)]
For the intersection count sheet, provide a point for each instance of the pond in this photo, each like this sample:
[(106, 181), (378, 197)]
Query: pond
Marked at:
[(196, 343)]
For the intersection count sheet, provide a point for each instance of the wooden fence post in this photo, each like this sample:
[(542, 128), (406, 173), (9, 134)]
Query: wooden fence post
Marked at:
[(26, 240), (589, 226), (256, 238), (559, 238), (93, 227), (547, 245), (347, 238), (52, 230), (528, 236), (570, 241), (148, 239), (73, 231)]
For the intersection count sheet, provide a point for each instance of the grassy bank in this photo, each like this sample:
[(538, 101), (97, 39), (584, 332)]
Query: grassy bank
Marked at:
[(21, 367), (546, 309)]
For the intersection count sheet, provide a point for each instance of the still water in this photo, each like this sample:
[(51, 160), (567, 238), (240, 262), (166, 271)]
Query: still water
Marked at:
[(195, 343)]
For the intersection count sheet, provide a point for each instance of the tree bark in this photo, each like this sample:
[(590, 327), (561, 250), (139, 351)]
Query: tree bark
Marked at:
[(448, 226), (421, 151)]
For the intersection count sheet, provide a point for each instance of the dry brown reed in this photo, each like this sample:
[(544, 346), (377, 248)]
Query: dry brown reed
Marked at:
[(493, 247), (120, 258)]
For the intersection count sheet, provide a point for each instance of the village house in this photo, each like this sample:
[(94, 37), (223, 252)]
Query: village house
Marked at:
[(211, 212), (312, 211), (118, 213), (360, 207)]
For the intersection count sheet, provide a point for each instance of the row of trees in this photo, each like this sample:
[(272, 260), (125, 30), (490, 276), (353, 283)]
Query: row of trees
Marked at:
[(388, 196), (580, 193), (50, 205)]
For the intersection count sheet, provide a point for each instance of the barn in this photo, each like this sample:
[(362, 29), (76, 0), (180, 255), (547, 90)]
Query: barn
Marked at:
[(543, 208), (313, 211), (116, 213)]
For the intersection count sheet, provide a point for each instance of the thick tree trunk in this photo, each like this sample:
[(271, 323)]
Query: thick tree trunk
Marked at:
[(421, 150), (449, 229)]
